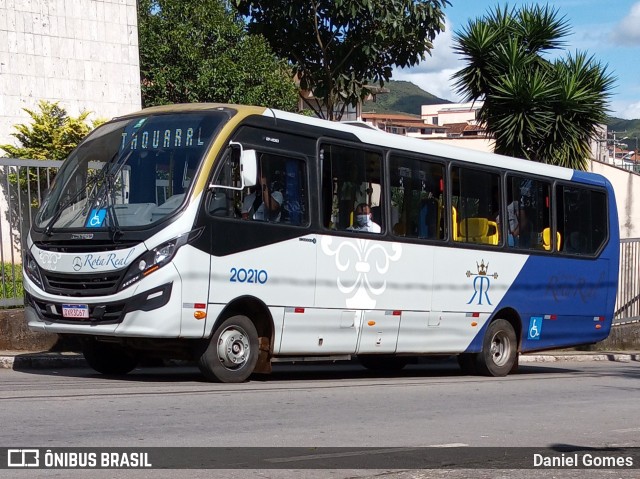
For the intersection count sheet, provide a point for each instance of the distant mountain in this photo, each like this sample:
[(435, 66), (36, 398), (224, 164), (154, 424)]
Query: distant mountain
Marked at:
[(403, 97), (625, 128)]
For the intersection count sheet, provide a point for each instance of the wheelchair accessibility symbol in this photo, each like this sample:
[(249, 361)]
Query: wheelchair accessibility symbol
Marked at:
[(535, 327), (96, 218)]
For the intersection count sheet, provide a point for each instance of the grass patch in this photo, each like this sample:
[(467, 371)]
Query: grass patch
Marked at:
[(11, 281)]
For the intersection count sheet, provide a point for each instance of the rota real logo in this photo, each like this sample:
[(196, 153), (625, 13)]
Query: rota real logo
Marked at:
[(481, 283)]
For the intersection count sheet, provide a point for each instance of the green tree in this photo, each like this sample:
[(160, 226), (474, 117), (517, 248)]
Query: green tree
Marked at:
[(200, 52), (52, 134), (336, 47), (535, 108)]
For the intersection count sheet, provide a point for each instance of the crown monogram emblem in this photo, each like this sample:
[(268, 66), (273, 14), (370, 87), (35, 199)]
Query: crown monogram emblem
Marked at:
[(483, 270)]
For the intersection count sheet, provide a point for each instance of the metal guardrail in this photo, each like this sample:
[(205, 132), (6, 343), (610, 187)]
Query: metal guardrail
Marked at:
[(628, 296), (23, 184)]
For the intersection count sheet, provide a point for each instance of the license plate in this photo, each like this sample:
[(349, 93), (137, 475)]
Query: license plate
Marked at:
[(75, 311)]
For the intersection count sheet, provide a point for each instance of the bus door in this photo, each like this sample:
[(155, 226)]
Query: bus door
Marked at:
[(348, 254)]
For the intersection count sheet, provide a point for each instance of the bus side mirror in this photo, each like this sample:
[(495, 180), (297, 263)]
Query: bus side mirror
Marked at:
[(248, 167), (246, 160)]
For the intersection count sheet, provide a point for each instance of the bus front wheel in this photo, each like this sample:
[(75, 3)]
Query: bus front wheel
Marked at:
[(108, 358), (499, 349), (232, 352)]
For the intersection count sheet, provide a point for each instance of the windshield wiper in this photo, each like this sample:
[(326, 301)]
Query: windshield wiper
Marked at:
[(102, 175)]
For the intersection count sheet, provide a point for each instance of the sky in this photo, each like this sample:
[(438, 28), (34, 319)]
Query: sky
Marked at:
[(609, 30)]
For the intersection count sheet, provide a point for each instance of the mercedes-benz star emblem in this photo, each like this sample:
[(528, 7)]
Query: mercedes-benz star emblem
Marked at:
[(77, 263)]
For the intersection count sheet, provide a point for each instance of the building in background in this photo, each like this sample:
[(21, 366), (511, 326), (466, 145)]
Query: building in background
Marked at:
[(403, 124), (451, 123), (80, 53)]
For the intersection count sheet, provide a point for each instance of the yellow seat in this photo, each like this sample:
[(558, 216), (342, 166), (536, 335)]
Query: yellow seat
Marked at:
[(479, 230), (454, 222), (546, 239)]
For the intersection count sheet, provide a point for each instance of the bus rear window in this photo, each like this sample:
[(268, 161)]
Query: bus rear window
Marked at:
[(582, 219)]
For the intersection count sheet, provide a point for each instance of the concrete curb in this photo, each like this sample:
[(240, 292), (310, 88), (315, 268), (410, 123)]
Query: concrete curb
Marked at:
[(603, 356), (44, 360), (19, 360)]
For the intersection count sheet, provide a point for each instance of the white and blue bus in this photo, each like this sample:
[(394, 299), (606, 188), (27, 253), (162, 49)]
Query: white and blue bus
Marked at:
[(239, 236)]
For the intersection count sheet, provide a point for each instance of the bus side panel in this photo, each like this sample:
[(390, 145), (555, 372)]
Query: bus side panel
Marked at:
[(279, 274), (443, 332), (468, 287), (379, 333), (363, 273), (562, 302), (193, 267), (317, 331)]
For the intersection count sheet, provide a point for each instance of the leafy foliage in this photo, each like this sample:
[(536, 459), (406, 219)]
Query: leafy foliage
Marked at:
[(533, 107), (199, 52), (336, 47), (52, 134), (11, 281)]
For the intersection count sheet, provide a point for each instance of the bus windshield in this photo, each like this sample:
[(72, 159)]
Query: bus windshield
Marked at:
[(129, 173)]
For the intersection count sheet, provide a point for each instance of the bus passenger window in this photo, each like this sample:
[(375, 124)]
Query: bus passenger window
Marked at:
[(528, 213), (475, 195), (279, 196), (417, 199), (351, 189), (582, 219)]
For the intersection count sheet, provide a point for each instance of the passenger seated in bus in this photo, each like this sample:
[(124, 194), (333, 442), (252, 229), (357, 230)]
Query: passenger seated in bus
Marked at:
[(264, 205), (363, 221)]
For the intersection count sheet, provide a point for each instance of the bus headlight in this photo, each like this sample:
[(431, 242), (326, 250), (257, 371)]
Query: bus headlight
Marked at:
[(156, 258), (31, 268)]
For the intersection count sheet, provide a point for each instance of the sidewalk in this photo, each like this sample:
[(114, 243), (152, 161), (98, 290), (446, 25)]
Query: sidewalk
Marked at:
[(58, 360)]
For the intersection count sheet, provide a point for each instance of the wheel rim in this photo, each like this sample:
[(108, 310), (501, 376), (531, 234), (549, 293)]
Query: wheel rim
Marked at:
[(500, 348), (233, 347)]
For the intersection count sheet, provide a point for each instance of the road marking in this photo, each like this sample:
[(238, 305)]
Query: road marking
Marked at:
[(364, 452)]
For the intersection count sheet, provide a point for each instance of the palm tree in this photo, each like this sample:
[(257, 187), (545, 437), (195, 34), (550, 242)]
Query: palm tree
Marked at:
[(534, 107)]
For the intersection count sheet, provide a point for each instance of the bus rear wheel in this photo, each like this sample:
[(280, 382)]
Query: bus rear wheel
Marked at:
[(499, 349), (232, 353), (108, 358)]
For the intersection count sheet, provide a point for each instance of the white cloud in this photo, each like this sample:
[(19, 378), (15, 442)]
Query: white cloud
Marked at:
[(434, 73), (442, 55), (627, 31), (630, 111)]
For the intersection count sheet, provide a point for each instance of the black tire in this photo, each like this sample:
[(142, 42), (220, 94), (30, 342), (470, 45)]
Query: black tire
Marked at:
[(232, 353), (376, 362), (467, 363), (109, 358), (499, 349)]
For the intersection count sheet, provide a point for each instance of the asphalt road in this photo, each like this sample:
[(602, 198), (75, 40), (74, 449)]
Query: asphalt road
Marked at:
[(585, 404)]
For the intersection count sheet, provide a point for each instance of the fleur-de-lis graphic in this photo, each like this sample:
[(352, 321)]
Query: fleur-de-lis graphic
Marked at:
[(369, 260), (49, 260)]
